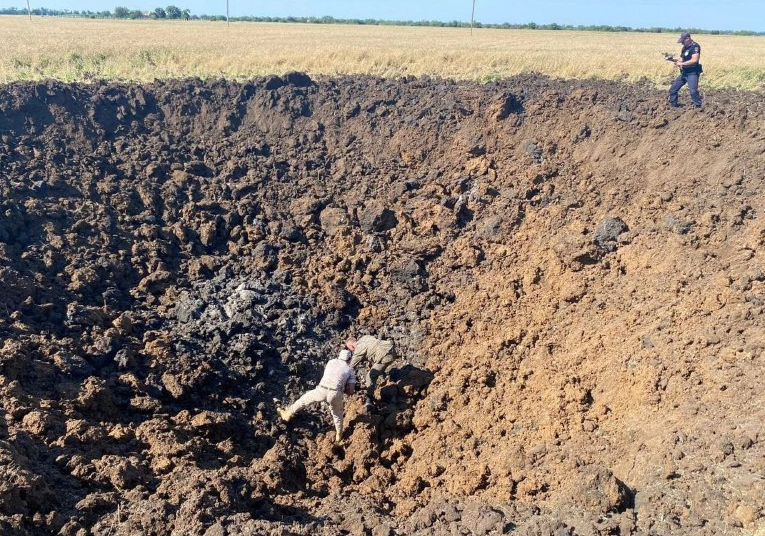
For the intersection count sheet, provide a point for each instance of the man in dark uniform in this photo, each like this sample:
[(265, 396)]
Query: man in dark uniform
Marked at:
[(690, 69)]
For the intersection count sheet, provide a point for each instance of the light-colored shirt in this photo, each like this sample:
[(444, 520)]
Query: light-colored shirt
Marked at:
[(337, 374), (372, 348)]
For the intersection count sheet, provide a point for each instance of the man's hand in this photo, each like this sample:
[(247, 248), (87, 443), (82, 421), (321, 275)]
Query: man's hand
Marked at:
[(678, 63)]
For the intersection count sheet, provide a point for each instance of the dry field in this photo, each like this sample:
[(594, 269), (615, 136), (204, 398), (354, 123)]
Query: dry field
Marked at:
[(81, 49)]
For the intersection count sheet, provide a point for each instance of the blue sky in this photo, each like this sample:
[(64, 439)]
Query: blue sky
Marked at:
[(707, 14)]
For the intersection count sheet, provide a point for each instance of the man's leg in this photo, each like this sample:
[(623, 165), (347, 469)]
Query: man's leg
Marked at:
[(311, 397), (336, 407), (377, 370), (674, 88), (693, 88)]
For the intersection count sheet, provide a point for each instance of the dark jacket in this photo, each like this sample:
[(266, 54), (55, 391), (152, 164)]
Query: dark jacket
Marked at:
[(687, 53)]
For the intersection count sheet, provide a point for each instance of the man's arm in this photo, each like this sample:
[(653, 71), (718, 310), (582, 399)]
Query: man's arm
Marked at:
[(359, 353), (350, 384), (693, 61)]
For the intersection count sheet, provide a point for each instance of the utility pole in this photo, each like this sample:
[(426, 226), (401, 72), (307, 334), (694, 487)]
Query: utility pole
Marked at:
[(472, 18), (228, 22)]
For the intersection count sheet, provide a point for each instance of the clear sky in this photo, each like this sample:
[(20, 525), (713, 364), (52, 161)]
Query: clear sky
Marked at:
[(707, 14)]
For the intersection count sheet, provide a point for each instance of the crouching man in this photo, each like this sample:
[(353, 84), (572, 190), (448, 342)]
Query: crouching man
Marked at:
[(378, 352), (338, 378)]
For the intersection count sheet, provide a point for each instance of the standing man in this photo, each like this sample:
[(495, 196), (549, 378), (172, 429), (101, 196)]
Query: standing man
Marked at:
[(338, 378), (381, 355), (690, 69)]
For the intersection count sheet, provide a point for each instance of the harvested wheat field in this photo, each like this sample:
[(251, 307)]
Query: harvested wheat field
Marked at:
[(86, 50), (572, 274)]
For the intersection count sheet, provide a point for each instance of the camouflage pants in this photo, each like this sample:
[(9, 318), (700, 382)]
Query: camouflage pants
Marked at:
[(376, 370)]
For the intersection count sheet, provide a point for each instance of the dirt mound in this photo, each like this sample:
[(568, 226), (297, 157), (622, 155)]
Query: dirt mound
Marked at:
[(572, 273)]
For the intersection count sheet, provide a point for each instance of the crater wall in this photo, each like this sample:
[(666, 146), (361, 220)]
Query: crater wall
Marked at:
[(571, 271)]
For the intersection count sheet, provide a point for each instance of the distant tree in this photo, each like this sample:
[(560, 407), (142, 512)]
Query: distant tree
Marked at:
[(173, 12), (160, 13), (121, 12), (186, 14)]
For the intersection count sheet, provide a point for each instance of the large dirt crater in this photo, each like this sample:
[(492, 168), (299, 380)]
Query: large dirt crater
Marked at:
[(572, 272)]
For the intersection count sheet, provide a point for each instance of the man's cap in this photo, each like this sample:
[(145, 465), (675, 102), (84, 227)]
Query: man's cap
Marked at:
[(345, 355), (683, 37)]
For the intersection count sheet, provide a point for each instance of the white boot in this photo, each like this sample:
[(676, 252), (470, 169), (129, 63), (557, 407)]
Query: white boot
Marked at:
[(285, 413)]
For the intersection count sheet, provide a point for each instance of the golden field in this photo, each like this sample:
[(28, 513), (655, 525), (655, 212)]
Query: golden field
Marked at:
[(84, 49)]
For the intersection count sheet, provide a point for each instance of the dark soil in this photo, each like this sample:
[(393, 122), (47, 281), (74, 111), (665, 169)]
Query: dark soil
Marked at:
[(572, 272)]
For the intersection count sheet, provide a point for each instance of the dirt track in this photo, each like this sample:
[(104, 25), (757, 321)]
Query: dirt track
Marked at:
[(573, 274)]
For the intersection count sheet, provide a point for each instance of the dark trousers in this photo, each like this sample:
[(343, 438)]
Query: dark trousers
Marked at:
[(692, 79)]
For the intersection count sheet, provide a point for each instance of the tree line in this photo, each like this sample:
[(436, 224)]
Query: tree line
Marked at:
[(169, 12), (120, 12), (176, 13)]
